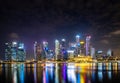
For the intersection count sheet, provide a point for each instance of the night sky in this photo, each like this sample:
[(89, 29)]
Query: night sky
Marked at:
[(38, 20)]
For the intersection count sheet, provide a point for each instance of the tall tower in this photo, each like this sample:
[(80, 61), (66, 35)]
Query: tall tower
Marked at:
[(82, 47), (77, 38), (46, 49), (63, 44), (109, 52), (57, 49), (88, 45), (37, 51), (63, 49), (77, 45), (21, 53), (92, 52)]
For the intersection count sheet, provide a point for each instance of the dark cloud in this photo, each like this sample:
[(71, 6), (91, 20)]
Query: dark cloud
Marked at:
[(13, 35), (112, 39), (104, 41), (117, 32)]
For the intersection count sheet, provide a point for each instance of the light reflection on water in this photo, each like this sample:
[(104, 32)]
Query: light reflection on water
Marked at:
[(59, 72)]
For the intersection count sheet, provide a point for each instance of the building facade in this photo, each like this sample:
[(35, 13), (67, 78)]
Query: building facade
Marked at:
[(87, 46), (37, 51), (57, 49), (15, 51)]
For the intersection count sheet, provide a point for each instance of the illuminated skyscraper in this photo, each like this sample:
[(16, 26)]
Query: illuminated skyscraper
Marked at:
[(57, 49), (21, 54), (45, 49), (109, 52), (63, 44), (37, 51), (77, 38), (71, 50), (77, 45), (88, 45), (92, 52), (82, 47), (63, 49), (15, 51)]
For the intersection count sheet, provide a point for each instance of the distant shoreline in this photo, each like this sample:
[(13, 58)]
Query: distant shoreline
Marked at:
[(31, 62)]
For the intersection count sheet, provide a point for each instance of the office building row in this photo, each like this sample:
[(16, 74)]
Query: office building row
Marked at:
[(64, 51), (15, 51)]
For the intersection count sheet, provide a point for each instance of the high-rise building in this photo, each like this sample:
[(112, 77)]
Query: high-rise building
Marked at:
[(57, 49), (109, 52), (45, 49), (15, 51), (63, 44), (37, 51), (92, 52), (82, 47), (77, 45), (77, 38), (71, 50), (63, 49), (21, 54), (88, 45)]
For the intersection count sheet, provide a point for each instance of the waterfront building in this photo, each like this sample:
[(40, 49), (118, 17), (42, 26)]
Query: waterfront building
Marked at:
[(77, 45), (92, 52), (63, 49), (57, 49), (37, 51), (77, 39), (71, 53), (47, 53), (63, 44), (99, 54), (109, 52), (71, 50), (82, 47), (45, 49), (15, 51), (88, 45)]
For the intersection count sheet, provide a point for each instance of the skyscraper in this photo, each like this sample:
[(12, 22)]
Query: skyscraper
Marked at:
[(57, 49), (82, 47), (21, 53), (63, 44), (77, 45), (37, 51), (109, 52), (92, 51), (77, 38), (63, 49), (45, 49), (15, 51), (88, 45)]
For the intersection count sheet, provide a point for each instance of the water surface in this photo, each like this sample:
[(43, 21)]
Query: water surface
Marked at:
[(60, 73)]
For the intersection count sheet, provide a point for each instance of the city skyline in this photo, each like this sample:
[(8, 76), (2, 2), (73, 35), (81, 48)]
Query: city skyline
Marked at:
[(59, 41), (80, 46), (30, 21)]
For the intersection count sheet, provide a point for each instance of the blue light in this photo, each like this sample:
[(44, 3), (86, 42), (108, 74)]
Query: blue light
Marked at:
[(100, 75), (46, 49), (77, 36), (63, 39), (78, 44), (14, 43), (21, 46), (56, 41), (21, 73)]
